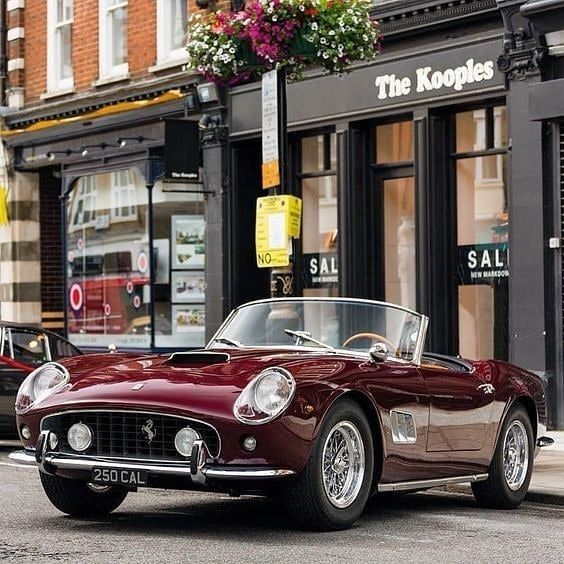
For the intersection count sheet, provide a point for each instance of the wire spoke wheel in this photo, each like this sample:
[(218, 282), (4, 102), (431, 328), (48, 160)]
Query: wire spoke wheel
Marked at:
[(343, 464), (515, 455)]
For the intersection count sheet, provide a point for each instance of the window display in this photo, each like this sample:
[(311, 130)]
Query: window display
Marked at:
[(108, 268)]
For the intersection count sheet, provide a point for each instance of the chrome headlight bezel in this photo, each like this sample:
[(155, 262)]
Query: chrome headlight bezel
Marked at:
[(30, 394), (246, 408)]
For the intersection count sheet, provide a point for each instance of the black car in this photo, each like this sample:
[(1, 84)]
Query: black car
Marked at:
[(22, 349)]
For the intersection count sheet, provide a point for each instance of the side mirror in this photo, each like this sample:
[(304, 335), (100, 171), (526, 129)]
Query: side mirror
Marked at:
[(378, 352)]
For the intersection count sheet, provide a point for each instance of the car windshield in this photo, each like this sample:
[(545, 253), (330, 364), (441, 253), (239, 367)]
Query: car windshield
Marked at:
[(328, 324)]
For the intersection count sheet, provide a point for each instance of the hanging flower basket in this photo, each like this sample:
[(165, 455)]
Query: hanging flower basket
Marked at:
[(232, 47)]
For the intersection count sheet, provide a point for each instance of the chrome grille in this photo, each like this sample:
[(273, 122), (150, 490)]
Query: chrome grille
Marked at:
[(118, 434)]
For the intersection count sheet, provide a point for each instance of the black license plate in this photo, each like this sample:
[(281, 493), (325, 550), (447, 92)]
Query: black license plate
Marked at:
[(119, 476)]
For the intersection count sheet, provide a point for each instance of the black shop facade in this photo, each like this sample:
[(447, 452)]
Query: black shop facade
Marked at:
[(410, 192)]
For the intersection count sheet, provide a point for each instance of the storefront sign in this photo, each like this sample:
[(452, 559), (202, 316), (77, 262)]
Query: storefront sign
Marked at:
[(320, 270), (432, 78), (278, 221), (453, 71), (182, 151), (483, 264), (270, 147)]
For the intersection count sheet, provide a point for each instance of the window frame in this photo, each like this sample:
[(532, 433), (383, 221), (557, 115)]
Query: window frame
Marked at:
[(164, 53), (54, 62), (106, 41)]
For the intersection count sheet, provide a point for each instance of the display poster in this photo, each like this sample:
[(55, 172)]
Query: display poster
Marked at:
[(188, 249), (190, 322), (483, 264), (188, 286)]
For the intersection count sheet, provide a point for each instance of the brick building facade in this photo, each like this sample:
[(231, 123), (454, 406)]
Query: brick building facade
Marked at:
[(78, 77)]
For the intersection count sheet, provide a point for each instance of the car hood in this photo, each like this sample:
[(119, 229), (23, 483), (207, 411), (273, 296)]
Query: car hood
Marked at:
[(189, 384)]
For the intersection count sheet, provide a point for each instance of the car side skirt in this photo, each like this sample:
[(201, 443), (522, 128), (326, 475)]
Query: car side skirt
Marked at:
[(424, 484)]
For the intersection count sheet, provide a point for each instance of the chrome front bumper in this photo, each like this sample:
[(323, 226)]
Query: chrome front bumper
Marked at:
[(199, 470)]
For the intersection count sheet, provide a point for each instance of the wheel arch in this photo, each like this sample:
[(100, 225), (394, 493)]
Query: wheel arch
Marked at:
[(371, 413), (531, 408)]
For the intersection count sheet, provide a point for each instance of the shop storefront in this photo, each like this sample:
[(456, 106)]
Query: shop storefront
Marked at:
[(123, 245), (421, 185)]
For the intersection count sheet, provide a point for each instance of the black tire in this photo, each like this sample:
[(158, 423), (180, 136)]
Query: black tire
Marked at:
[(305, 498), (495, 492), (76, 498)]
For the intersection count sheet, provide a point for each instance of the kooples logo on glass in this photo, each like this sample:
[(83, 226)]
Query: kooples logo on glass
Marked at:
[(427, 79)]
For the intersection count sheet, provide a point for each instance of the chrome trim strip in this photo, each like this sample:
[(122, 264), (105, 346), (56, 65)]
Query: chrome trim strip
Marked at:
[(101, 410), (172, 470), (423, 484)]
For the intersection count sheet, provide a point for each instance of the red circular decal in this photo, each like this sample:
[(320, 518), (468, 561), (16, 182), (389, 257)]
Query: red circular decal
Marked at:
[(76, 297), (142, 262), (70, 256), (136, 302), (129, 287), (107, 310), (80, 243)]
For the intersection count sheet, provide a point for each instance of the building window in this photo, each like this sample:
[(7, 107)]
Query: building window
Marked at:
[(113, 38), (59, 45), (482, 232), (172, 18), (124, 196), (83, 211), (108, 268), (318, 183)]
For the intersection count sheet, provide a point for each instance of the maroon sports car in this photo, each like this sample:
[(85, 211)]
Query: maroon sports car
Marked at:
[(323, 402)]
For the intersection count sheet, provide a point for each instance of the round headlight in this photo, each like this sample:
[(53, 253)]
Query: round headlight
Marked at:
[(39, 384), (272, 392), (265, 397), (185, 439), (79, 437)]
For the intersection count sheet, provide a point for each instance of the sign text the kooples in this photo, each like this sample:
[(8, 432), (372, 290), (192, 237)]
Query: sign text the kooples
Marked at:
[(428, 79)]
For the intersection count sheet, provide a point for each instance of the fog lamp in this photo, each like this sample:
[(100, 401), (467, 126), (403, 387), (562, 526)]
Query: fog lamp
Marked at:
[(79, 437), (26, 433), (249, 443), (185, 439)]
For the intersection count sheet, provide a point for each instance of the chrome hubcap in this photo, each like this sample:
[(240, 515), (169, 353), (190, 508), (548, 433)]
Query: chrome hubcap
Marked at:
[(343, 464), (515, 455)]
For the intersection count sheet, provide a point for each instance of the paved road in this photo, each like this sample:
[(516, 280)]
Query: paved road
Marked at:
[(160, 526)]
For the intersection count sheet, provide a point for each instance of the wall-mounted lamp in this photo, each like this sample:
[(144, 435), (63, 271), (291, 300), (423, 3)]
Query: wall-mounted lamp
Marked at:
[(124, 141), (85, 149), (52, 155), (207, 92)]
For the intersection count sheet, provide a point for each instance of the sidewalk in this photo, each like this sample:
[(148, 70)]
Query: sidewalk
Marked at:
[(547, 483)]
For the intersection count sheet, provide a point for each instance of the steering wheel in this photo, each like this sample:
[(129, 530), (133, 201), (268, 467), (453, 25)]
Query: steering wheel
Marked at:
[(373, 336)]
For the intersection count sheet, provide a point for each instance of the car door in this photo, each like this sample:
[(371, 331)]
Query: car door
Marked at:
[(460, 408), (12, 374)]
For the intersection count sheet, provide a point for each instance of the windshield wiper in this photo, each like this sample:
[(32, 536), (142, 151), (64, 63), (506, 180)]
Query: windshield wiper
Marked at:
[(302, 336), (226, 341)]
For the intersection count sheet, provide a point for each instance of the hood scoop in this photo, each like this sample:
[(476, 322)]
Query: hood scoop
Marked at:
[(196, 357)]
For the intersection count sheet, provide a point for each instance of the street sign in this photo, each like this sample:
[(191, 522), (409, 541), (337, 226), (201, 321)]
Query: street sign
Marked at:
[(270, 146), (278, 220)]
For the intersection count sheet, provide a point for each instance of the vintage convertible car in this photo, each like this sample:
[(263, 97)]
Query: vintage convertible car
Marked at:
[(322, 402), (22, 349)]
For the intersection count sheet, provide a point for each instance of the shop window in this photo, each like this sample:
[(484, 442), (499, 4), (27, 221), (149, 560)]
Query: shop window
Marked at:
[(319, 215), (394, 213), (179, 243), (113, 38), (59, 45), (108, 275), (482, 233), (394, 142), (172, 20)]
